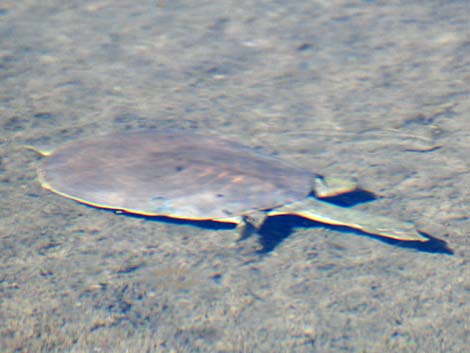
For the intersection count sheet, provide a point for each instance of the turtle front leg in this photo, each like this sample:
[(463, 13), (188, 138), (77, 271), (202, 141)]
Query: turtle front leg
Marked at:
[(250, 223)]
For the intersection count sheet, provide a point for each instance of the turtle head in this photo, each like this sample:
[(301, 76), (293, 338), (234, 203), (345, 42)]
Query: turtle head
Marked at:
[(329, 187)]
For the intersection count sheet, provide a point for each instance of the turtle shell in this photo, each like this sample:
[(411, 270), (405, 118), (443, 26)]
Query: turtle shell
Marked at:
[(174, 174)]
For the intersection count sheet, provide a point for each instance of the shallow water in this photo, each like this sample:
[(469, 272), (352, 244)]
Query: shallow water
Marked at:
[(371, 91)]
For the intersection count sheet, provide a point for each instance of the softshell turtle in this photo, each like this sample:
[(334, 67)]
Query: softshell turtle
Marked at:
[(195, 177)]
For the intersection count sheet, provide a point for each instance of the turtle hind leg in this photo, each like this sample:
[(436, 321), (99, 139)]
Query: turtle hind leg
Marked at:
[(323, 212)]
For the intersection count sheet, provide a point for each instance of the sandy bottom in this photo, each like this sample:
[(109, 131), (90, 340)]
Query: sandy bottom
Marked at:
[(373, 91)]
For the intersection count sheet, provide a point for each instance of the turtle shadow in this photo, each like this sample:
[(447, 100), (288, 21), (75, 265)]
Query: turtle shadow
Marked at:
[(204, 224), (276, 229), (352, 198)]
